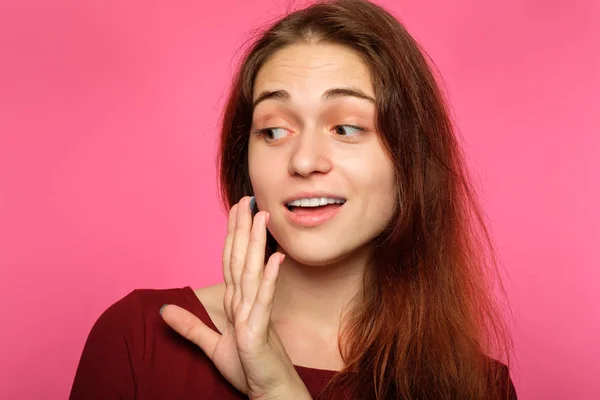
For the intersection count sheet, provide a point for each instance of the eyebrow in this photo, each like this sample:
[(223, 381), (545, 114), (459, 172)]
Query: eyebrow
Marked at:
[(328, 95)]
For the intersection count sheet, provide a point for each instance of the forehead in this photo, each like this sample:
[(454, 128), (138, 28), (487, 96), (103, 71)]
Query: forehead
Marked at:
[(312, 69)]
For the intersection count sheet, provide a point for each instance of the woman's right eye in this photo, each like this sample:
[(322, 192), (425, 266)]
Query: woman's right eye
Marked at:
[(272, 134)]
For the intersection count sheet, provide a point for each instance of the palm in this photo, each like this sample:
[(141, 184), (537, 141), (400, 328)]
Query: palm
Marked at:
[(226, 359)]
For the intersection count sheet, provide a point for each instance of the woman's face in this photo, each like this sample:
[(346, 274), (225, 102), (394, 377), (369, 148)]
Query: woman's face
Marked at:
[(313, 140)]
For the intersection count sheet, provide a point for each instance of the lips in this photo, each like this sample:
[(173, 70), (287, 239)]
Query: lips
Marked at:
[(313, 210), (312, 216)]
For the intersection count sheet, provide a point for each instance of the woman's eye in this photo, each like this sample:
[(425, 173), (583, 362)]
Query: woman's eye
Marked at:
[(348, 130), (272, 134)]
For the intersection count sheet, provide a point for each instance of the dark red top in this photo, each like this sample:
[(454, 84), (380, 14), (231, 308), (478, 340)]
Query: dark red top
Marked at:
[(131, 353)]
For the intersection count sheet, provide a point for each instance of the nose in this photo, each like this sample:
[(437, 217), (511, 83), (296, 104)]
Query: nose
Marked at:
[(310, 154)]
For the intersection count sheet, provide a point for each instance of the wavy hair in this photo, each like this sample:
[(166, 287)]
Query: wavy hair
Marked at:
[(429, 326)]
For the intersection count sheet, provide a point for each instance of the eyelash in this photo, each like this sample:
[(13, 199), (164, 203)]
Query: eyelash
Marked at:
[(264, 131)]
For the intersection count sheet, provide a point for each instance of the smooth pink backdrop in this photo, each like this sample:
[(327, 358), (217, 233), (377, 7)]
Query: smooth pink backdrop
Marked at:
[(108, 119)]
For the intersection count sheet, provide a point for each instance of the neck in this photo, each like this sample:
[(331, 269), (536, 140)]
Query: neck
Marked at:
[(318, 297)]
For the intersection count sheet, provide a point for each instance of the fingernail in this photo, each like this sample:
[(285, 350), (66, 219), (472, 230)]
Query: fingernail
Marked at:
[(252, 203), (162, 308), (267, 218)]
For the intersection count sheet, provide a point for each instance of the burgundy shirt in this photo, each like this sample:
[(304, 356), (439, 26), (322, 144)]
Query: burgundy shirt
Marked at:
[(132, 354)]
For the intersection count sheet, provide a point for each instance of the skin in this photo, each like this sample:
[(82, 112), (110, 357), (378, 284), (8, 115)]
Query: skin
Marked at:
[(324, 265), (272, 317)]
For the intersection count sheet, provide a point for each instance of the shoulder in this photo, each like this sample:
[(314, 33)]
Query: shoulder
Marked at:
[(121, 341), (131, 351), (132, 315), (139, 309), (147, 301), (137, 314)]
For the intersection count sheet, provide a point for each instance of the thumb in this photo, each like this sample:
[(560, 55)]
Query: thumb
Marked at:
[(190, 327)]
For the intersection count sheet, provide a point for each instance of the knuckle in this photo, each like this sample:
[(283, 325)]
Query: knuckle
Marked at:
[(236, 257), (190, 331), (247, 271)]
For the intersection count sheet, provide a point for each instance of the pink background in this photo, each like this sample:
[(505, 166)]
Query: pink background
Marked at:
[(108, 119)]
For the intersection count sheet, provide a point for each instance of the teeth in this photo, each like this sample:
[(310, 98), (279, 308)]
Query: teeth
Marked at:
[(315, 202)]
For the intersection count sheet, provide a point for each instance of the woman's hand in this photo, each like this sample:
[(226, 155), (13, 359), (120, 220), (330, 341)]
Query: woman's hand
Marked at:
[(249, 353)]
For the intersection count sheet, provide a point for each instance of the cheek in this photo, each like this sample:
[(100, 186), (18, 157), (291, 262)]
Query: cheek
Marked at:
[(266, 171), (256, 166), (379, 187), (370, 170), (258, 177), (384, 196)]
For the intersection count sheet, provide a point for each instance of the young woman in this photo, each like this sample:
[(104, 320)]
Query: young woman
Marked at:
[(356, 256)]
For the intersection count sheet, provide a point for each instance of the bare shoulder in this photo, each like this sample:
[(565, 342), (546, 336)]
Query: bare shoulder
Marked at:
[(211, 298)]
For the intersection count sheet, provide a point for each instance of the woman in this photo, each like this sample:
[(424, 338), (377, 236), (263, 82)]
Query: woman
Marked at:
[(354, 264)]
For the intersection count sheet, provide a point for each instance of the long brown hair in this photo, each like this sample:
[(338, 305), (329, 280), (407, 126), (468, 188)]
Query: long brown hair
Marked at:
[(429, 326)]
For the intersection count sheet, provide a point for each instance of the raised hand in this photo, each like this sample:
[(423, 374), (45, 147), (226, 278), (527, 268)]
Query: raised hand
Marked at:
[(249, 352)]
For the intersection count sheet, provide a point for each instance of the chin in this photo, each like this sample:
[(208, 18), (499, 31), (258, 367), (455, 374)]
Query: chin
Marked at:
[(314, 260), (319, 253)]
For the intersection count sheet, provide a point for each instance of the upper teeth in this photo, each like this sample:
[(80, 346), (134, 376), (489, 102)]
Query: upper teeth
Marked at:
[(315, 202)]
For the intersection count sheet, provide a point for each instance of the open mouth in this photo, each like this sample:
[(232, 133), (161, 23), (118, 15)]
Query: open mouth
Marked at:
[(314, 205), (313, 211)]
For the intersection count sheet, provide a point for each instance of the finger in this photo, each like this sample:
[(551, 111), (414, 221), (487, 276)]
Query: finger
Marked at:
[(255, 261), (227, 246), (260, 314), (240, 247), (191, 327)]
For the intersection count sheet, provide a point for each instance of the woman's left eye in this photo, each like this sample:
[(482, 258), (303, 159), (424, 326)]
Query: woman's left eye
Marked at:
[(348, 130)]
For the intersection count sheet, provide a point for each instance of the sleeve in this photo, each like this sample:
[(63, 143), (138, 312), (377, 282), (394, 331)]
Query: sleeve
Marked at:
[(113, 354)]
